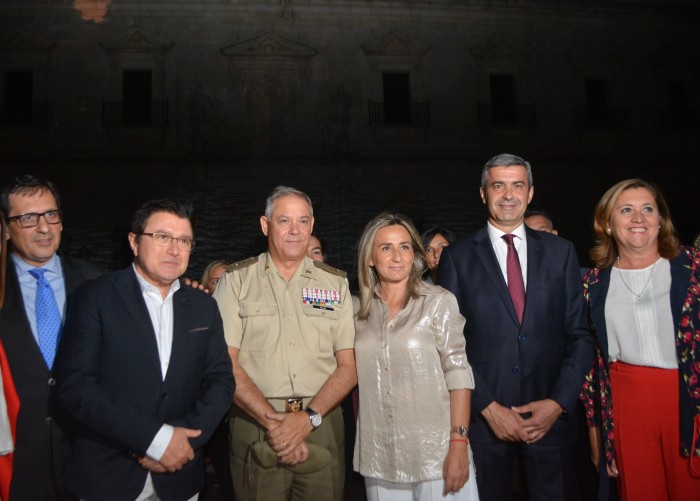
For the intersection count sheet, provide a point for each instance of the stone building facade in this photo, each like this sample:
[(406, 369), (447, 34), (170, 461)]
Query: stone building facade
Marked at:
[(346, 88)]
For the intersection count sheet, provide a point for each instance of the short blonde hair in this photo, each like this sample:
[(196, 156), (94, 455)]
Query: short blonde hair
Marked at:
[(367, 275), (210, 267), (604, 250)]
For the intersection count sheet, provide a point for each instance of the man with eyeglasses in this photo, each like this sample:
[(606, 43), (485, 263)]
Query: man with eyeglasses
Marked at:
[(144, 369), (38, 283)]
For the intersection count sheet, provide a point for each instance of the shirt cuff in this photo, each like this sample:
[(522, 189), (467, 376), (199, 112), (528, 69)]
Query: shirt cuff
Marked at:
[(160, 442)]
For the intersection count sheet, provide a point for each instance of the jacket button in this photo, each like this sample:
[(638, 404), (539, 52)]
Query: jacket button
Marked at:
[(515, 369), (52, 381), (164, 396)]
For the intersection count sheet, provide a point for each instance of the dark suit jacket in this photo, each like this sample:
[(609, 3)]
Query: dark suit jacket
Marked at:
[(42, 447), (109, 380), (545, 357)]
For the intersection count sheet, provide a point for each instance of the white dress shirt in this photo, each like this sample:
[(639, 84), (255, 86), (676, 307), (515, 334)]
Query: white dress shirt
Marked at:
[(161, 312)]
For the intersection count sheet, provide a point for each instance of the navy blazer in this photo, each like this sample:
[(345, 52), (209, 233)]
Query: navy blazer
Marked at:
[(109, 380), (545, 357), (42, 444)]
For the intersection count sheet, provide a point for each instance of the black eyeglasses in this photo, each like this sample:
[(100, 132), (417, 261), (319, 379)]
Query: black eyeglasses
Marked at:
[(163, 240), (31, 219)]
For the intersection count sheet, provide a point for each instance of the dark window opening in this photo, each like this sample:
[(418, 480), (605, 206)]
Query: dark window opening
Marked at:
[(502, 99), (678, 103), (597, 101), (19, 97), (397, 98), (677, 95), (137, 95)]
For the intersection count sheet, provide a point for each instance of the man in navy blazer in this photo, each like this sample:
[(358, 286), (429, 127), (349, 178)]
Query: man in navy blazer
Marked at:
[(529, 372), (144, 369)]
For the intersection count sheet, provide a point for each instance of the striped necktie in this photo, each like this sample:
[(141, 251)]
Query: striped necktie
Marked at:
[(516, 285)]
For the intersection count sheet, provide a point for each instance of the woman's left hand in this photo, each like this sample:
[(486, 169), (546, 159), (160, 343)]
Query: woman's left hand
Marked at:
[(455, 469)]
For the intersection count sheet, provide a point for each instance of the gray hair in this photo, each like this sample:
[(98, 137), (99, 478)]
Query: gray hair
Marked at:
[(505, 160), (285, 191)]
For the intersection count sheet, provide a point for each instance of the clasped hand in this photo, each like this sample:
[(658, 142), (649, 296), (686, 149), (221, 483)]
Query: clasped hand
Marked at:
[(511, 426), (178, 453), (288, 436)]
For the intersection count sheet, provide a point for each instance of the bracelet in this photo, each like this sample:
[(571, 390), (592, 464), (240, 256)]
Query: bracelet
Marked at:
[(459, 440)]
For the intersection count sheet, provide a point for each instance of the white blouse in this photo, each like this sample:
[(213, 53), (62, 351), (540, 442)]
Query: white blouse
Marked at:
[(641, 330), (406, 367)]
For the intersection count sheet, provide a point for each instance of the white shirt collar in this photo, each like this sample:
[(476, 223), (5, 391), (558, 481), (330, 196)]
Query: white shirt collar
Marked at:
[(495, 235), (147, 287)]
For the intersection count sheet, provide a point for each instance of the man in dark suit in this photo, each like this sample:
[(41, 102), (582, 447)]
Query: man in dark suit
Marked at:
[(527, 340), (144, 369), (34, 223)]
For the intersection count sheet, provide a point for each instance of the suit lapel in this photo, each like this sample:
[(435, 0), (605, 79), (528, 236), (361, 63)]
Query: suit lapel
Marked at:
[(130, 293), (598, 292), (680, 278), (181, 321), (483, 249), (72, 277), (16, 316), (535, 258)]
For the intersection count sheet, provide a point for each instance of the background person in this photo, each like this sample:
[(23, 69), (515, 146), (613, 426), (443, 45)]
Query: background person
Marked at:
[(217, 449), (315, 250), (434, 240), (414, 378), (212, 274), (644, 304), (539, 220)]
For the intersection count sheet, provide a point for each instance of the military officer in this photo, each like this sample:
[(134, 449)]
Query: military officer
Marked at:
[(288, 322)]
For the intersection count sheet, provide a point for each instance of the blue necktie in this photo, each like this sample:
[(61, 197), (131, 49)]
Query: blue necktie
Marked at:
[(48, 318)]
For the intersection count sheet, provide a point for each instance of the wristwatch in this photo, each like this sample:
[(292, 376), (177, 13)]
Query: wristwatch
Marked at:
[(315, 418), (461, 429)]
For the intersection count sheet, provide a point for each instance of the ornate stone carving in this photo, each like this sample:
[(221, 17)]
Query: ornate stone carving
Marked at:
[(136, 40), (22, 42), (498, 50), (269, 49)]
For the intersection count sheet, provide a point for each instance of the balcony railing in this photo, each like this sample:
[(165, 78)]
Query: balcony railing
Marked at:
[(602, 118), (523, 116), (682, 119), (418, 114), (34, 115), (121, 114)]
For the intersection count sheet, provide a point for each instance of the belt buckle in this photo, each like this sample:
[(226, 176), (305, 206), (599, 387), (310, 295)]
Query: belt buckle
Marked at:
[(293, 405)]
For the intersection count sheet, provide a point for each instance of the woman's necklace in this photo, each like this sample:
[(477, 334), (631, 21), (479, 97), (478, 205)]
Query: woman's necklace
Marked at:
[(638, 297)]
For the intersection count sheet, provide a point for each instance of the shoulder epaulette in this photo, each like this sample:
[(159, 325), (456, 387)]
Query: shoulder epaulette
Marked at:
[(330, 269), (242, 264)]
